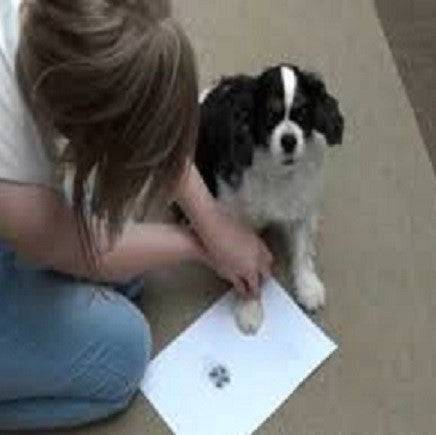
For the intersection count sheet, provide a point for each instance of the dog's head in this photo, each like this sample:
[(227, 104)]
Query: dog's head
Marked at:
[(290, 105), (274, 114)]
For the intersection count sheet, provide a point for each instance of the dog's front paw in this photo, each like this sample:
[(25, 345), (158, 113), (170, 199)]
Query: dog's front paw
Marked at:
[(249, 315), (310, 291)]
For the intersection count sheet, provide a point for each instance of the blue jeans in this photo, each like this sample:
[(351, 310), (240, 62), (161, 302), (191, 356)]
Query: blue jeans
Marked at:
[(70, 352)]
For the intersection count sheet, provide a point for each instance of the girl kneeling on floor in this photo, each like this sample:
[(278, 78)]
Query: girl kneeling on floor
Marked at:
[(106, 89)]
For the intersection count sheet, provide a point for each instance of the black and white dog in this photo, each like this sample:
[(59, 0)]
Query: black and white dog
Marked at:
[(260, 151)]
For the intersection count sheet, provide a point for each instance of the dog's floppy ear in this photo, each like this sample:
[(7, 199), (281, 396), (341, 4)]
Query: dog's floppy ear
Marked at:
[(225, 135), (241, 122), (242, 139), (328, 119)]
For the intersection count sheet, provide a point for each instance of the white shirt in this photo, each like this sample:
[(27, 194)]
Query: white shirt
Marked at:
[(23, 158)]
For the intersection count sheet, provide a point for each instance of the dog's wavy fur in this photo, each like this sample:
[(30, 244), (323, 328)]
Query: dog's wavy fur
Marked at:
[(261, 150)]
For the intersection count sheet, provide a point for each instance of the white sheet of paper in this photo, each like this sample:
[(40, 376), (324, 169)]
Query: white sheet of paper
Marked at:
[(263, 369)]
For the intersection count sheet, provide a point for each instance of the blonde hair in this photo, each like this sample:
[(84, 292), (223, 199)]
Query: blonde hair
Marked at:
[(118, 79)]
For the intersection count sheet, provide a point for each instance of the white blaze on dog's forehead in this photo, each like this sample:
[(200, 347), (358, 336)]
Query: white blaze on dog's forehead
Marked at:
[(289, 87), (204, 94)]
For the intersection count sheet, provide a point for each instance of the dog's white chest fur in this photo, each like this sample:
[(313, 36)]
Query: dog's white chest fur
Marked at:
[(271, 193)]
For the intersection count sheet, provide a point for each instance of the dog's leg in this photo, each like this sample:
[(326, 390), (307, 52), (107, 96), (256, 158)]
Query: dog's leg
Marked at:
[(310, 290), (249, 315)]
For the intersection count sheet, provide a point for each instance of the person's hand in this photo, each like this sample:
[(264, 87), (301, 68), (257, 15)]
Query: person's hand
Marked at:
[(232, 249), (237, 254)]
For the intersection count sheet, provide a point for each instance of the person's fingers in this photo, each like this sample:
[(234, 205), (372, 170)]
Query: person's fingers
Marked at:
[(264, 252), (264, 274), (269, 259), (248, 286), (239, 286), (254, 285), (265, 266)]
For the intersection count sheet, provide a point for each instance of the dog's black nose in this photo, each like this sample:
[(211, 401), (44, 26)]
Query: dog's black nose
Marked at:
[(289, 142)]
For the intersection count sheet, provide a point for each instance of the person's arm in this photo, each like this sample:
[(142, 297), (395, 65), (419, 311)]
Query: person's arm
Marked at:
[(43, 230), (235, 251)]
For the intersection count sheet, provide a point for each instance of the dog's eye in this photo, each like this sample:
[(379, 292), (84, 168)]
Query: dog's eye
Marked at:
[(301, 114), (272, 119), (276, 106)]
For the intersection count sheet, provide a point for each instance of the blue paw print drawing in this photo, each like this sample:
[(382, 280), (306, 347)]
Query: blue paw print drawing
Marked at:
[(219, 376)]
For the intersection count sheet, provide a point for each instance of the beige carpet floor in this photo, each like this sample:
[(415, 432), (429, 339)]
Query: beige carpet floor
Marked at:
[(410, 27), (378, 257)]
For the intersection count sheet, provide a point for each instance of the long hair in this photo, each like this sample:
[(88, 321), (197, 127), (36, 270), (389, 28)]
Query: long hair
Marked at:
[(118, 80)]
